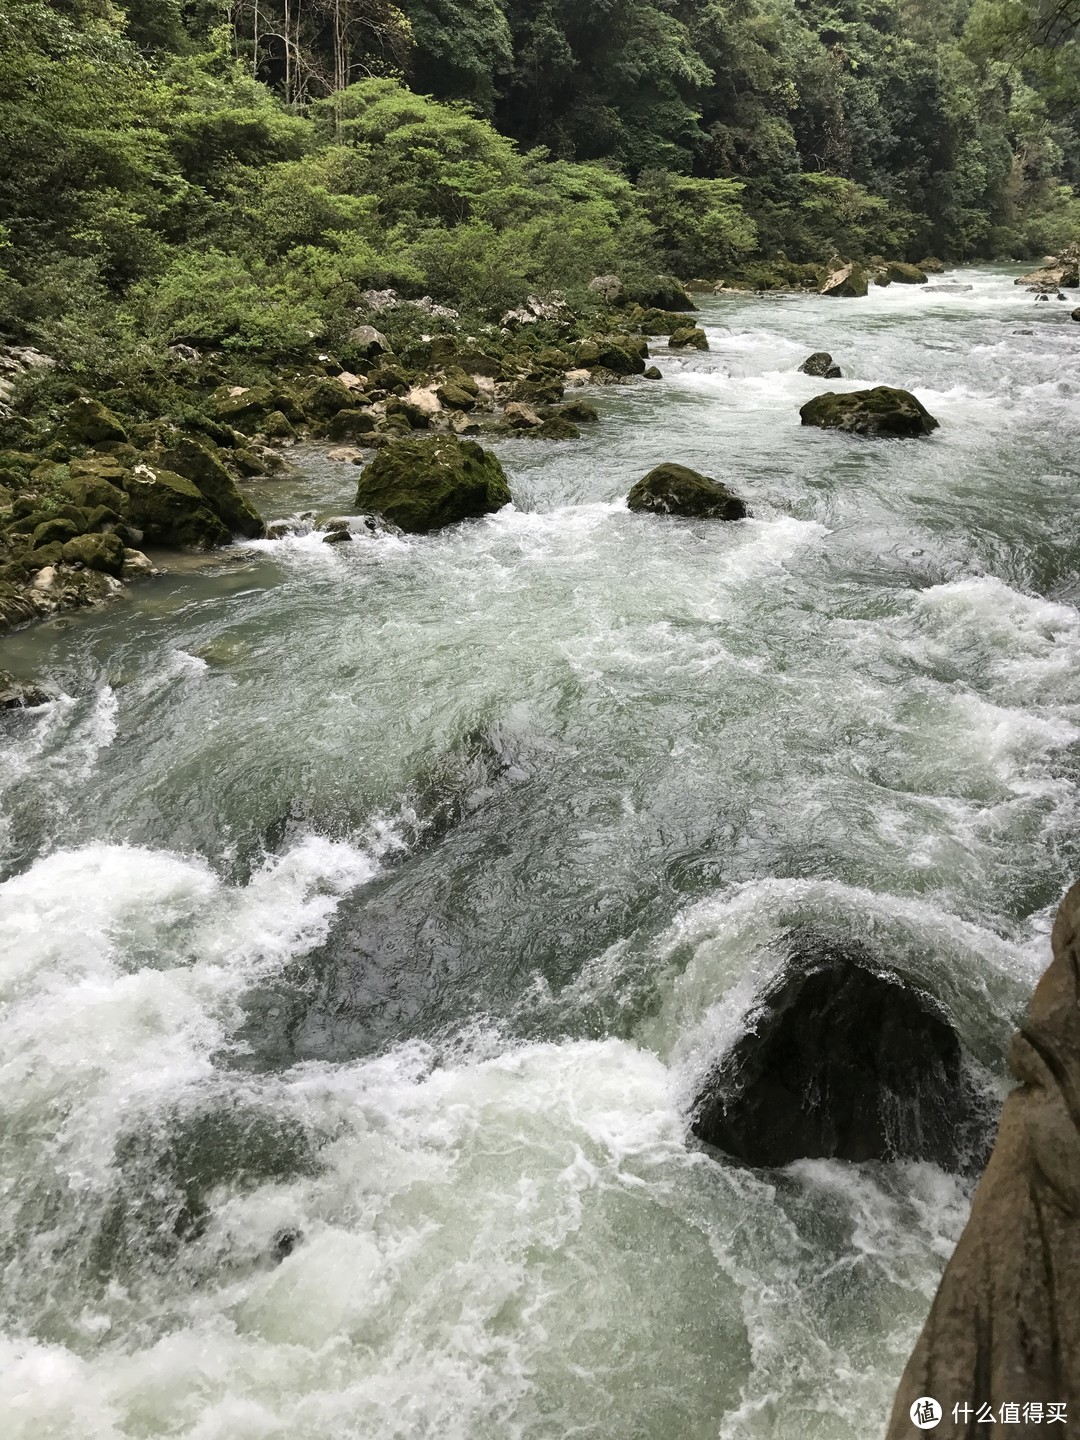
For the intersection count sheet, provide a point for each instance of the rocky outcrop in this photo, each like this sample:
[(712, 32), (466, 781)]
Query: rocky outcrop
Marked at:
[(1057, 274), (677, 490), (424, 484), (820, 365), (1005, 1325), (882, 411), (842, 1059), (846, 282), (171, 510)]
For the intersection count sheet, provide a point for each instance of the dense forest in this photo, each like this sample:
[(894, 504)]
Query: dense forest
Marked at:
[(238, 175)]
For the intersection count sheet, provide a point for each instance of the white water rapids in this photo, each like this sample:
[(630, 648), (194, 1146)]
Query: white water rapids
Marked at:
[(368, 913)]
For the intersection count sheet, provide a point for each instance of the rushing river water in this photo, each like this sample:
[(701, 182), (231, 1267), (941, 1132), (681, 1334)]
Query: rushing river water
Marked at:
[(369, 912)]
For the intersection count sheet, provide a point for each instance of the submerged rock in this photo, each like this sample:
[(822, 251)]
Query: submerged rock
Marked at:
[(677, 490), (846, 1061), (423, 484), (1005, 1325), (880, 411), (820, 364), (14, 695)]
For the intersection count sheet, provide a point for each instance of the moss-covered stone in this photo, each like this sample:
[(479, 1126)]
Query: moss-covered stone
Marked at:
[(849, 282), (661, 322), (554, 428), (665, 293), (50, 531), (43, 556), (196, 460), (171, 510), (901, 274), (821, 366), (91, 492), (326, 397), (278, 426), (97, 552), (422, 484), (579, 412), (351, 425), (88, 422), (677, 490), (690, 337), (456, 397), (653, 373), (413, 415), (880, 411)]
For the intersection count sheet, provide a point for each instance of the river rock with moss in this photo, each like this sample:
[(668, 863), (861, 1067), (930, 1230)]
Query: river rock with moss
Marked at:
[(883, 410), (421, 485)]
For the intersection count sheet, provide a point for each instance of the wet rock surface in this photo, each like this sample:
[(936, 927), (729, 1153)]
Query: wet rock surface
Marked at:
[(1005, 1325), (882, 411), (842, 1060)]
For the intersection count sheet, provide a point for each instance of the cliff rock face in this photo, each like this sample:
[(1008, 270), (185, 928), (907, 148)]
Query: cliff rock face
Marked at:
[(1005, 1326)]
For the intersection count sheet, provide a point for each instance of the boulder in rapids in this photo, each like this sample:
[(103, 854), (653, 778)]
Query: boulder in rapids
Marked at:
[(1076, 314), (422, 484), (900, 273), (846, 1061), (689, 337), (1005, 1325), (820, 365), (677, 490), (846, 282), (880, 411)]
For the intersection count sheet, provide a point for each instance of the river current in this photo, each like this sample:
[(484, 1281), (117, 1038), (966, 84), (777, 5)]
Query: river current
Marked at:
[(368, 913)]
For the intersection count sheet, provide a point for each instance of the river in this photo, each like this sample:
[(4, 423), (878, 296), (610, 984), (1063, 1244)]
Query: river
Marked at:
[(369, 912)]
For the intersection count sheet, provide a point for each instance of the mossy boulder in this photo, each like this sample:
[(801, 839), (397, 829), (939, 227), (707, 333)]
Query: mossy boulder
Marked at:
[(88, 422), (50, 531), (665, 293), (677, 490), (547, 391), (456, 397), (899, 273), (661, 322), (847, 282), (327, 396), (196, 460), (579, 412), (880, 411), (620, 356), (422, 484), (351, 425), (278, 426), (96, 552), (554, 428), (689, 337), (171, 510)]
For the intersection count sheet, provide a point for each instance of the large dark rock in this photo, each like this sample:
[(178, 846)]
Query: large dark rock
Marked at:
[(1005, 1326), (688, 337), (677, 490), (842, 1060), (820, 365), (424, 484), (881, 411)]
